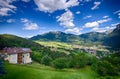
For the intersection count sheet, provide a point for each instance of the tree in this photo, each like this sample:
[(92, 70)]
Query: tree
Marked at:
[(78, 61), (46, 60), (60, 63), (2, 71), (91, 60), (37, 56), (104, 68)]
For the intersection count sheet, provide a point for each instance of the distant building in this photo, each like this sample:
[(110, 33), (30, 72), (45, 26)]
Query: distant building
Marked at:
[(17, 55)]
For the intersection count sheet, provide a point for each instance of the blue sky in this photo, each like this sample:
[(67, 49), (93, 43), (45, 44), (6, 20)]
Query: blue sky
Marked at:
[(28, 18)]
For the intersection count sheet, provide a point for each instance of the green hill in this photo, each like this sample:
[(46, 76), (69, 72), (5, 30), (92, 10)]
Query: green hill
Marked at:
[(87, 38), (113, 38), (56, 36), (92, 37), (7, 40)]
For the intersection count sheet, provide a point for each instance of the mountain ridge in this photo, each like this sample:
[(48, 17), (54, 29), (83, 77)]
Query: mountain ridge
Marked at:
[(113, 38), (108, 38), (69, 38), (92, 38)]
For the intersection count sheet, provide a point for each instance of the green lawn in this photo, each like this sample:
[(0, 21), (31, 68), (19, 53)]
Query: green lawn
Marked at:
[(37, 71)]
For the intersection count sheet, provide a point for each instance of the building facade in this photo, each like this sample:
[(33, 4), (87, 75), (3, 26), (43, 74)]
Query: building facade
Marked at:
[(17, 55)]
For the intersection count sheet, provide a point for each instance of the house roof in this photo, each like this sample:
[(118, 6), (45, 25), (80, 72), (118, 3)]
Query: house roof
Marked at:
[(16, 50)]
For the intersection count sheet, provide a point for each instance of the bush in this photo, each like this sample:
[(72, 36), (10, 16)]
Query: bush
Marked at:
[(91, 60), (37, 56), (46, 60), (60, 63), (78, 61), (104, 68)]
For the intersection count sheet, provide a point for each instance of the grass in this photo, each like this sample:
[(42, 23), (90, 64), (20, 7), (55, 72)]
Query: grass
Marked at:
[(71, 46), (37, 71), (55, 44)]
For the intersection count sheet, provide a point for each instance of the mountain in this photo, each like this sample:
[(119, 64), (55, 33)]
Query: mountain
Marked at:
[(92, 37), (58, 36), (7, 40), (110, 38), (113, 38)]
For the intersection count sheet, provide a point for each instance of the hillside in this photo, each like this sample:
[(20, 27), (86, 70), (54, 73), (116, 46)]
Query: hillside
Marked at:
[(38, 71), (87, 38), (56, 36), (108, 38), (92, 37), (7, 40), (113, 38)]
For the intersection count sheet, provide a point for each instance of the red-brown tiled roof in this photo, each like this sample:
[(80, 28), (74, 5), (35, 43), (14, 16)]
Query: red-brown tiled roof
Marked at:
[(16, 50)]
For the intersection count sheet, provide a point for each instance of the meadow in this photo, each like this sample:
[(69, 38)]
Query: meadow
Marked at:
[(55, 44), (38, 71)]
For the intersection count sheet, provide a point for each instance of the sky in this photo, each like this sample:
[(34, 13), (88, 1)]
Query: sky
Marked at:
[(27, 18)]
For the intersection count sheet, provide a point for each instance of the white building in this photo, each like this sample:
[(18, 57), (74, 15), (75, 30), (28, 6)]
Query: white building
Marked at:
[(17, 55)]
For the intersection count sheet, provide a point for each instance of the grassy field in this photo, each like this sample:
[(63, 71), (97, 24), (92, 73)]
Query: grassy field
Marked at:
[(37, 71), (55, 44), (71, 46)]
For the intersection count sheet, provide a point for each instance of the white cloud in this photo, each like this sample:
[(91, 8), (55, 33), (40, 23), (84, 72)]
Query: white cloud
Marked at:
[(10, 20), (85, 0), (104, 20), (54, 5), (28, 25), (96, 29), (25, 0), (114, 24), (96, 23), (78, 12), (91, 24), (66, 19), (96, 4), (86, 17), (105, 16), (118, 13), (104, 29), (24, 20), (6, 7), (73, 31)]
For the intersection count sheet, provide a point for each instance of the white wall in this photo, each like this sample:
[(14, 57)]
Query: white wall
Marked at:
[(13, 58), (26, 58)]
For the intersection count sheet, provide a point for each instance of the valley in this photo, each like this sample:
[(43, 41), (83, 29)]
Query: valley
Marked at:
[(66, 47), (59, 39), (65, 58)]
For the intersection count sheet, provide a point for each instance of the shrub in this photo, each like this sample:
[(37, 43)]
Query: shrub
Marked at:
[(46, 60), (104, 68), (60, 63), (37, 56), (78, 61)]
